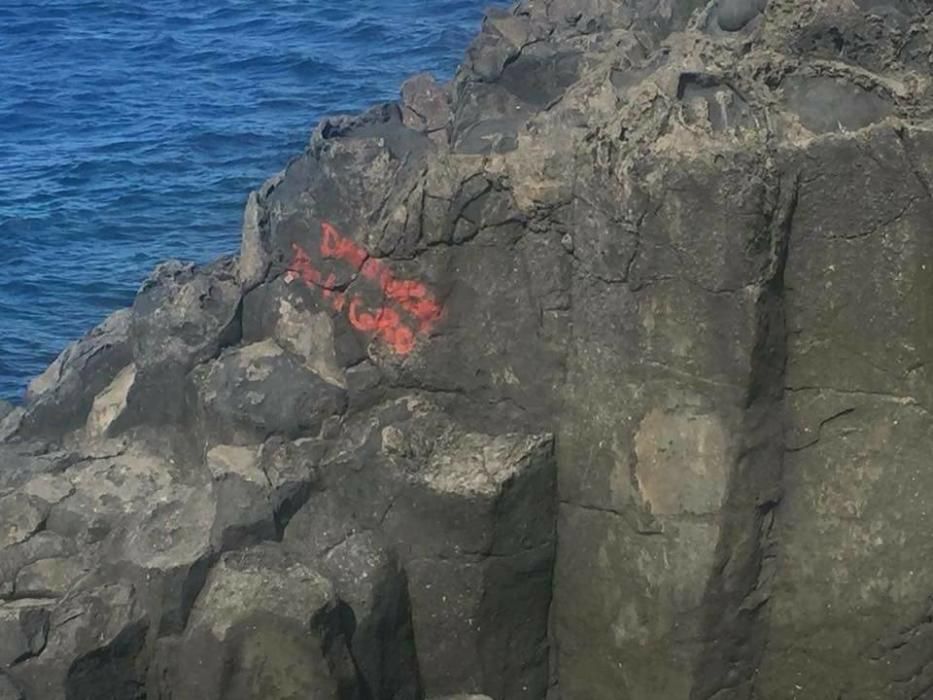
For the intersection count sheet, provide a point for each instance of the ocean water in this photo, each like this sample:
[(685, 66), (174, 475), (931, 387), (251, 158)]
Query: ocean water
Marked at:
[(131, 131)]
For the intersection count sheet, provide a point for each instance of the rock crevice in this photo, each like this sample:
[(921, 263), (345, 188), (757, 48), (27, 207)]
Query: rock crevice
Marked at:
[(599, 372)]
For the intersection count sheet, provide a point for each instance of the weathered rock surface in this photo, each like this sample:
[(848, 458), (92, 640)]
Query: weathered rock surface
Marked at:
[(600, 372), (259, 390), (60, 398), (8, 691), (259, 628), (467, 515)]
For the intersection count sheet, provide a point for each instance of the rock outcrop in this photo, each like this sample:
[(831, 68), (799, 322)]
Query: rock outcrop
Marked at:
[(601, 372)]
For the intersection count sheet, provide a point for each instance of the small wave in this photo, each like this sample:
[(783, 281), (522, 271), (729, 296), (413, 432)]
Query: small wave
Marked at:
[(309, 67)]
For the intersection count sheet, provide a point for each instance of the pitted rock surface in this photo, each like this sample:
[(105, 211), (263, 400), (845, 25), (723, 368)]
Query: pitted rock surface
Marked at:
[(600, 372)]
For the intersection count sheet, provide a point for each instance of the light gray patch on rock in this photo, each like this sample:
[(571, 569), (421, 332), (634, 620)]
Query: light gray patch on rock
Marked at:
[(827, 105), (59, 399), (734, 15)]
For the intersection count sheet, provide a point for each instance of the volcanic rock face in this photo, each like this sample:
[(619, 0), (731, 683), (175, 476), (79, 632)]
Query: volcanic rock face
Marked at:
[(601, 372)]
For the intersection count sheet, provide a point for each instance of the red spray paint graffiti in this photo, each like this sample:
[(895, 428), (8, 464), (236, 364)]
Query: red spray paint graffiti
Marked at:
[(385, 322)]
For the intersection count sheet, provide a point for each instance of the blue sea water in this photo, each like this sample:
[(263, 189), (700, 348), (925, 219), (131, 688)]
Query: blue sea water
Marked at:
[(132, 130)]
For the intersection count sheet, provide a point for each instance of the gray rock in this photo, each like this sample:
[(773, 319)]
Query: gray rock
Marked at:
[(733, 15), (292, 471), (253, 261), (102, 494), (245, 509), (42, 545), (167, 552), (23, 462), (49, 578), (472, 618), (24, 628), (260, 390), (690, 240), (278, 310), (371, 583), (8, 691), (183, 316), (21, 516), (110, 406), (5, 409), (837, 401), (59, 399), (462, 509), (258, 628), (425, 104), (94, 641), (827, 105), (10, 423), (254, 257)]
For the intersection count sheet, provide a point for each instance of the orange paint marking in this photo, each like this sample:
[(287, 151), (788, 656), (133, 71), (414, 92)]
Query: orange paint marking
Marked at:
[(411, 295), (385, 323), (333, 245), (415, 298)]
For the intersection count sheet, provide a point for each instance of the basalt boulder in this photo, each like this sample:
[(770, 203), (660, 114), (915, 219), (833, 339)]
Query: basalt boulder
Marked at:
[(59, 400), (91, 647), (183, 316), (8, 690), (599, 372), (372, 588), (259, 390), (462, 512), (262, 626)]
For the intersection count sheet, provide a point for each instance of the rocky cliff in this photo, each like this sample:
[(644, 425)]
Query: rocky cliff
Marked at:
[(602, 372)]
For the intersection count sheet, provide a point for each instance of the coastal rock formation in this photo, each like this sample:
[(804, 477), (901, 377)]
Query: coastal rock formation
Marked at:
[(601, 372)]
